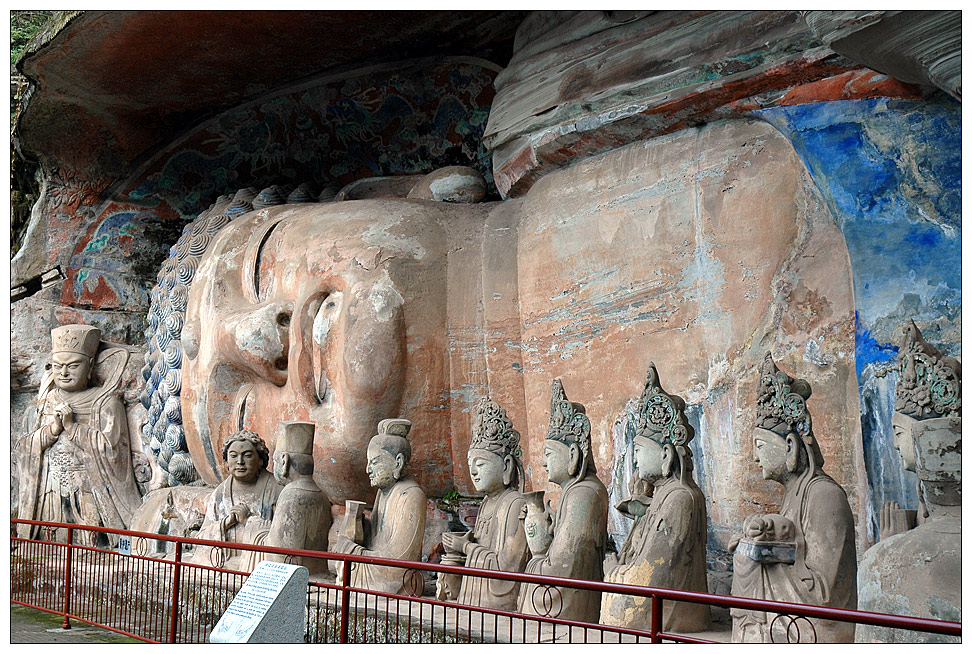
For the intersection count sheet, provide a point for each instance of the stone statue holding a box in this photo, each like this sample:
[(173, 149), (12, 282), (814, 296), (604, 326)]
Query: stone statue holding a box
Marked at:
[(806, 553)]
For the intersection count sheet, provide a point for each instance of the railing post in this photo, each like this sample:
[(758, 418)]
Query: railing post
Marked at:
[(345, 599), (176, 570), (67, 578), (656, 618)]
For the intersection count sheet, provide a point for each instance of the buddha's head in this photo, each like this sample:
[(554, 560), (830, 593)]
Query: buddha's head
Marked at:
[(494, 453), (293, 454), (300, 312), (73, 349)]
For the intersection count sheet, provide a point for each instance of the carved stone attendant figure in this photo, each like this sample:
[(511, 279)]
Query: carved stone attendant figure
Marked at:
[(498, 541), (579, 529), (76, 465), (241, 508), (919, 571), (397, 524), (806, 553), (302, 517), (666, 546)]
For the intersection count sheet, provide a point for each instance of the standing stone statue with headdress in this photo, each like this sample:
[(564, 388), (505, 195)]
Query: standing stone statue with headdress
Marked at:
[(498, 541), (918, 571), (806, 553), (302, 517), (577, 534), (76, 465), (397, 524), (666, 545), (241, 508)]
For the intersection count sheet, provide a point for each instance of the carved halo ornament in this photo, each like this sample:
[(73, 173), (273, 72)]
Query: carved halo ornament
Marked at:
[(660, 416), (493, 430), (929, 385), (568, 422)]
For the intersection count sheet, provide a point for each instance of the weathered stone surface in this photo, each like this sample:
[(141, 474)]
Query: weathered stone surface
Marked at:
[(922, 47), (594, 82)]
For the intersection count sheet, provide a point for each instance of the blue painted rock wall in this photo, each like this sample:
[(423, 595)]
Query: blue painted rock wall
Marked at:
[(891, 172)]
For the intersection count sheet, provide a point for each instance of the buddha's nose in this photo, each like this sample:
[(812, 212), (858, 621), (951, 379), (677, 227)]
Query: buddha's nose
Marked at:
[(258, 339)]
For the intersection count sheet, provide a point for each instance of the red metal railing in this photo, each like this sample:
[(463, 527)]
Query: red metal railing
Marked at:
[(177, 601)]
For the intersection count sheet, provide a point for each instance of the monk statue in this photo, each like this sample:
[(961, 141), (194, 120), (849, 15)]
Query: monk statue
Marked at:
[(76, 465), (302, 517), (918, 571), (241, 508), (578, 530), (666, 545), (397, 524), (806, 553), (497, 541)]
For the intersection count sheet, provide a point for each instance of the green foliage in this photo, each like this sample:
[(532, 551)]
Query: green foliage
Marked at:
[(23, 26)]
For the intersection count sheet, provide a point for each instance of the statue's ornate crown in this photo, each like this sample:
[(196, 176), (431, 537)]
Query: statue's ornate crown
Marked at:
[(81, 339), (493, 430), (568, 422), (661, 416), (929, 385), (782, 403)]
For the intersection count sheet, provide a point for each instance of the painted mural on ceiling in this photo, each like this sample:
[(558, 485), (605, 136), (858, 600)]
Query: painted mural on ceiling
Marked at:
[(389, 123)]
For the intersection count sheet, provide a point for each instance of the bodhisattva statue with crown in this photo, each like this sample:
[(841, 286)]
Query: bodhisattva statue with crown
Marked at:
[(498, 541), (918, 571), (302, 517), (572, 542), (397, 524), (806, 553), (666, 545), (241, 508), (76, 465)]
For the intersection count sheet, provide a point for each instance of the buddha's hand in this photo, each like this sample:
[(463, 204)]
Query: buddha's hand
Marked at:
[(237, 516), (65, 416), (758, 527), (894, 520)]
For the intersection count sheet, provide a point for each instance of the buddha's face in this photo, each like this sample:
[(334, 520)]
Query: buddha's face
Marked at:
[(556, 461), (486, 471), (298, 312), (70, 371), (382, 466), (769, 451), (903, 427), (648, 459), (243, 461)]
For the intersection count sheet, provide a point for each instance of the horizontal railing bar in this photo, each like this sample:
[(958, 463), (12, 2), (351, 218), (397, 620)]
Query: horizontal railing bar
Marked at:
[(727, 601)]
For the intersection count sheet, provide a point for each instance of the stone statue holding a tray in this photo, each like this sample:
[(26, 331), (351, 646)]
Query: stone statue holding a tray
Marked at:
[(805, 553)]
